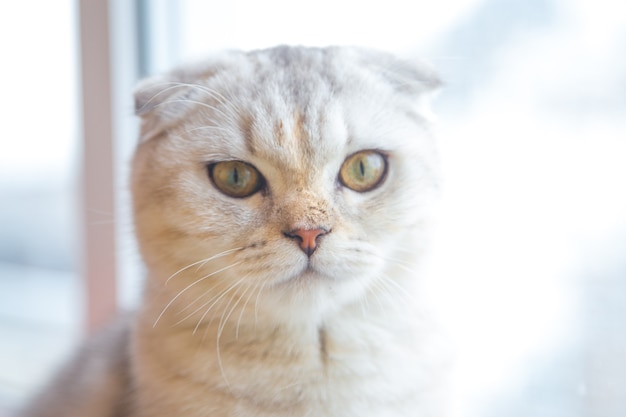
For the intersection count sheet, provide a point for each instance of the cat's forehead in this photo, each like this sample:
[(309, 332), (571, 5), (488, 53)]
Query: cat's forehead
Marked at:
[(296, 110), (290, 133), (287, 115)]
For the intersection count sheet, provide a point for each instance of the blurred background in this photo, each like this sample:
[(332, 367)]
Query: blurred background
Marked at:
[(530, 261)]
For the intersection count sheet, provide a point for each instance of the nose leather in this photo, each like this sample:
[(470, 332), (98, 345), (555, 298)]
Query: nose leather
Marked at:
[(306, 238)]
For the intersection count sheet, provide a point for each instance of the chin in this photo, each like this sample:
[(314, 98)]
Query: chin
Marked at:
[(314, 295)]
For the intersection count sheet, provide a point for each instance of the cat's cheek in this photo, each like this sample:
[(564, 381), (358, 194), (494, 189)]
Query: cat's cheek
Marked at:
[(344, 263), (235, 218)]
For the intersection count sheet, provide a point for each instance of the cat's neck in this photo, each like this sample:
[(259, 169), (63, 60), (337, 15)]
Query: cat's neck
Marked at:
[(385, 312), (359, 348)]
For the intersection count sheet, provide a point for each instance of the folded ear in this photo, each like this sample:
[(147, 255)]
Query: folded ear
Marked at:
[(160, 102), (163, 100), (416, 80), (421, 81)]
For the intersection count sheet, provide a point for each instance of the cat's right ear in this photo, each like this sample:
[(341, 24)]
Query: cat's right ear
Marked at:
[(164, 100), (161, 102)]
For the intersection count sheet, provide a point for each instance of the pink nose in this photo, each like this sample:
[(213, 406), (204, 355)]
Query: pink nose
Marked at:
[(307, 238)]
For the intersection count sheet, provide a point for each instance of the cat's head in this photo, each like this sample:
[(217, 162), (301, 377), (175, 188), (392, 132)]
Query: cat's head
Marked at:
[(293, 177)]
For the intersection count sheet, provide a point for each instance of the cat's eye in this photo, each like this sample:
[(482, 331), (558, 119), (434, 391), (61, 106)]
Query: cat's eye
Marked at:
[(236, 178), (363, 171)]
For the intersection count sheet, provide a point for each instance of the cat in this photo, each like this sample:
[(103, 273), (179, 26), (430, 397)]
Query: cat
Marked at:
[(282, 202)]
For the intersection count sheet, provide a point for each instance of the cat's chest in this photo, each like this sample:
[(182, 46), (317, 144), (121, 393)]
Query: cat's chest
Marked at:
[(342, 372), (342, 390), (348, 368)]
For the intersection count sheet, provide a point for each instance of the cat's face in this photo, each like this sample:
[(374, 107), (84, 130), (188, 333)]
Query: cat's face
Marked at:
[(296, 177)]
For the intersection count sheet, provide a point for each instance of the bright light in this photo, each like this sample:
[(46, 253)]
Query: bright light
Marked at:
[(393, 25), (38, 80)]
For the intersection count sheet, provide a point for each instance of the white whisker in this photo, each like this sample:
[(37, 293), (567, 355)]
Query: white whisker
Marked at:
[(216, 301), (407, 266), (379, 288), (172, 86), (220, 328), (208, 127), (229, 104), (256, 303), (243, 309), (203, 262), (363, 307), (228, 117), (285, 388), (224, 319), (405, 296), (188, 306), (191, 285)]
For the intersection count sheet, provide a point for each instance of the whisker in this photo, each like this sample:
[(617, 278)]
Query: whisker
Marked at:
[(232, 107), (392, 295), (220, 330), (284, 388), (209, 127), (405, 296), (189, 286), (243, 309), (412, 251), (229, 104), (403, 266), (228, 117), (407, 266), (379, 287), (188, 306), (172, 86), (363, 307), (367, 303), (256, 303), (216, 301), (203, 262), (222, 324), (224, 320)]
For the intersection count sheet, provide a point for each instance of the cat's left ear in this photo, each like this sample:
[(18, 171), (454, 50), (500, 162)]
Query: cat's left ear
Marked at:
[(417, 80), (426, 86)]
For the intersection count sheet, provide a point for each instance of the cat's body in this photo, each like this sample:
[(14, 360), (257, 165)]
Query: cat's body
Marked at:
[(281, 202)]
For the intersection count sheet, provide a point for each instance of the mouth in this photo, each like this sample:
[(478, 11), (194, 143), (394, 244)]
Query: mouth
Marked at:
[(306, 274)]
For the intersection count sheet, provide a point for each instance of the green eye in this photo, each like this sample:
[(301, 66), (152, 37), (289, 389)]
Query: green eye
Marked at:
[(235, 178), (363, 171)]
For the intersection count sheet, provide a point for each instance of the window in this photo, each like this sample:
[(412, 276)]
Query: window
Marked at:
[(530, 266), (39, 293)]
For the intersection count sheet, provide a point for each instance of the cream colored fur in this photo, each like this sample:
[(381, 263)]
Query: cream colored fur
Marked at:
[(237, 320)]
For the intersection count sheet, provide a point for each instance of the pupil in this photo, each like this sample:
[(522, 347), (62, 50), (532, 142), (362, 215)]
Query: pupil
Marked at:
[(235, 176), (362, 168)]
